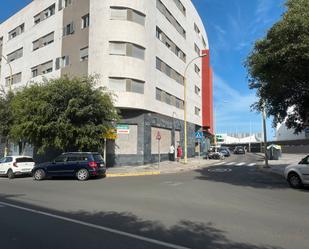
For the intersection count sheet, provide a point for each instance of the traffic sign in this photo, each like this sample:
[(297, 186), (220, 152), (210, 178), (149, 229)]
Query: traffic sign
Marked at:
[(198, 135), (158, 137)]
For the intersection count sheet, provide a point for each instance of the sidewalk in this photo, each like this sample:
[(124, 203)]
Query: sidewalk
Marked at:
[(166, 167), (278, 166)]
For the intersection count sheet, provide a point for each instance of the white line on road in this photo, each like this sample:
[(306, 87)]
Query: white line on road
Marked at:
[(251, 164), (240, 164), (219, 163), (231, 163), (106, 229)]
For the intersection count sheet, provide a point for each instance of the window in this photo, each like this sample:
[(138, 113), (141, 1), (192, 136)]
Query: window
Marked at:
[(16, 78), (127, 14), (169, 99), (180, 6), (197, 69), (196, 29), (204, 43), (61, 159), (17, 31), (170, 44), (63, 4), (83, 54), (62, 62), (197, 90), (68, 29), (126, 85), (85, 21), (168, 15), (126, 49), (197, 111), (197, 49), (48, 12), (43, 41), (15, 55), (44, 68), (170, 72)]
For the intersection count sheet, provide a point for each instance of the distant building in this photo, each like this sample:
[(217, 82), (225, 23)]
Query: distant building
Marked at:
[(284, 134), (140, 49), (238, 138)]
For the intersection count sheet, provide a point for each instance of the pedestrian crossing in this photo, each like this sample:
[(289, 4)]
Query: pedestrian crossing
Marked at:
[(245, 164)]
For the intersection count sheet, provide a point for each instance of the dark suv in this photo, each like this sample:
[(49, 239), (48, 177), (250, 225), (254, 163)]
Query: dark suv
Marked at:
[(82, 165)]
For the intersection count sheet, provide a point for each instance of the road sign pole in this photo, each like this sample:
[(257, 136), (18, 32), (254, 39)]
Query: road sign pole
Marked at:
[(199, 149), (159, 153)]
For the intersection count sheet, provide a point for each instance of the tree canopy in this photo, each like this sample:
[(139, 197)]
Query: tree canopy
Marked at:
[(67, 114), (278, 67)]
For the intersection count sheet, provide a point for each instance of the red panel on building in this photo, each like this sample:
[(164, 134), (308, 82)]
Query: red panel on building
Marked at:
[(207, 93)]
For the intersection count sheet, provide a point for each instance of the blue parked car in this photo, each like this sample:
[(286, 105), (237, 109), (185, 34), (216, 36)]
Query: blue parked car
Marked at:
[(81, 165)]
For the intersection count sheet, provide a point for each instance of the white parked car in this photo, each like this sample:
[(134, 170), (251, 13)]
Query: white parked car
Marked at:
[(298, 174), (11, 166)]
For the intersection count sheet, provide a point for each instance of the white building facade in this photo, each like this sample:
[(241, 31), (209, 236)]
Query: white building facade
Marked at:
[(139, 49)]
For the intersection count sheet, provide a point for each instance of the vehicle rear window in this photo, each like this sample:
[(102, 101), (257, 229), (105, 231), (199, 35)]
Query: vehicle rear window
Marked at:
[(77, 158), (24, 160), (97, 157)]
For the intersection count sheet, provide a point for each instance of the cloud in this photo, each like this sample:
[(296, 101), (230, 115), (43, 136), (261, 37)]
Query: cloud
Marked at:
[(232, 107)]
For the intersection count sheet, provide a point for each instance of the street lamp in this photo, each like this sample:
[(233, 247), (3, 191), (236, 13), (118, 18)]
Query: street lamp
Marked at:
[(185, 108), (11, 72)]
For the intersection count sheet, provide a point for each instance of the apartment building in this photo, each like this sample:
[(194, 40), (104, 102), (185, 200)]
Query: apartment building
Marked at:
[(139, 49)]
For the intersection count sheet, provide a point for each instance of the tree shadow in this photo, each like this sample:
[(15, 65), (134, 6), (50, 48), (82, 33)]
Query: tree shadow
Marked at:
[(242, 176), (185, 233)]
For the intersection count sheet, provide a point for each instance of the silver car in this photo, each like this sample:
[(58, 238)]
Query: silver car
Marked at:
[(297, 175)]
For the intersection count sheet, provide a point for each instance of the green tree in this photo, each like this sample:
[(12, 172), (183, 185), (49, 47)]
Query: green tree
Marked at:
[(64, 113), (6, 117), (278, 67)]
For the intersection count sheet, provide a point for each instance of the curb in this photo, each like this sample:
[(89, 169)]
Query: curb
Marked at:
[(149, 173)]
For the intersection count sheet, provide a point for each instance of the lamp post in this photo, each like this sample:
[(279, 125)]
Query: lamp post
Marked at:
[(185, 107)]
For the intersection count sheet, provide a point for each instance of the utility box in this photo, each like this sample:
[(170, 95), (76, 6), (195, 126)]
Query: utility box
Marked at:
[(274, 152)]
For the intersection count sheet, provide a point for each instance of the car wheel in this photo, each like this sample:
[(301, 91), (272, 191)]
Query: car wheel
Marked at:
[(10, 174), (39, 175), (82, 175), (295, 181)]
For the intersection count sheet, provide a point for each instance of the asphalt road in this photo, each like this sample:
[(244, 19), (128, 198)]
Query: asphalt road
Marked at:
[(222, 207)]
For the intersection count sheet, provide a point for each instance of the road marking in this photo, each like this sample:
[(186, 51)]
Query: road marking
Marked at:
[(106, 229), (219, 163), (220, 170), (231, 163), (251, 164), (240, 164)]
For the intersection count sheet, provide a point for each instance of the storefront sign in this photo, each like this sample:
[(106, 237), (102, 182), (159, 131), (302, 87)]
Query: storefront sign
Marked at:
[(123, 129)]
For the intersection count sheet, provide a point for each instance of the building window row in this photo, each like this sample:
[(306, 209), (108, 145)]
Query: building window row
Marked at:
[(17, 31), (127, 14), (126, 85), (126, 49), (197, 111), (63, 4), (16, 78), (62, 62), (197, 69), (15, 55), (42, 69), (48, 12), (197, 90), (168, 15), (197, 49), (169, 99), (84, 54), (198, 32), (170, 44), (170, 72), (180, 6), (43, 41)]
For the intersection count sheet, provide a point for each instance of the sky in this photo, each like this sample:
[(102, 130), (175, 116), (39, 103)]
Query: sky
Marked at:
[(232, 27)]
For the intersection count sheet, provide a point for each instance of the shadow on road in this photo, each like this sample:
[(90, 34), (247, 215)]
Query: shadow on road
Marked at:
[(242, 176), (185, 233)]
